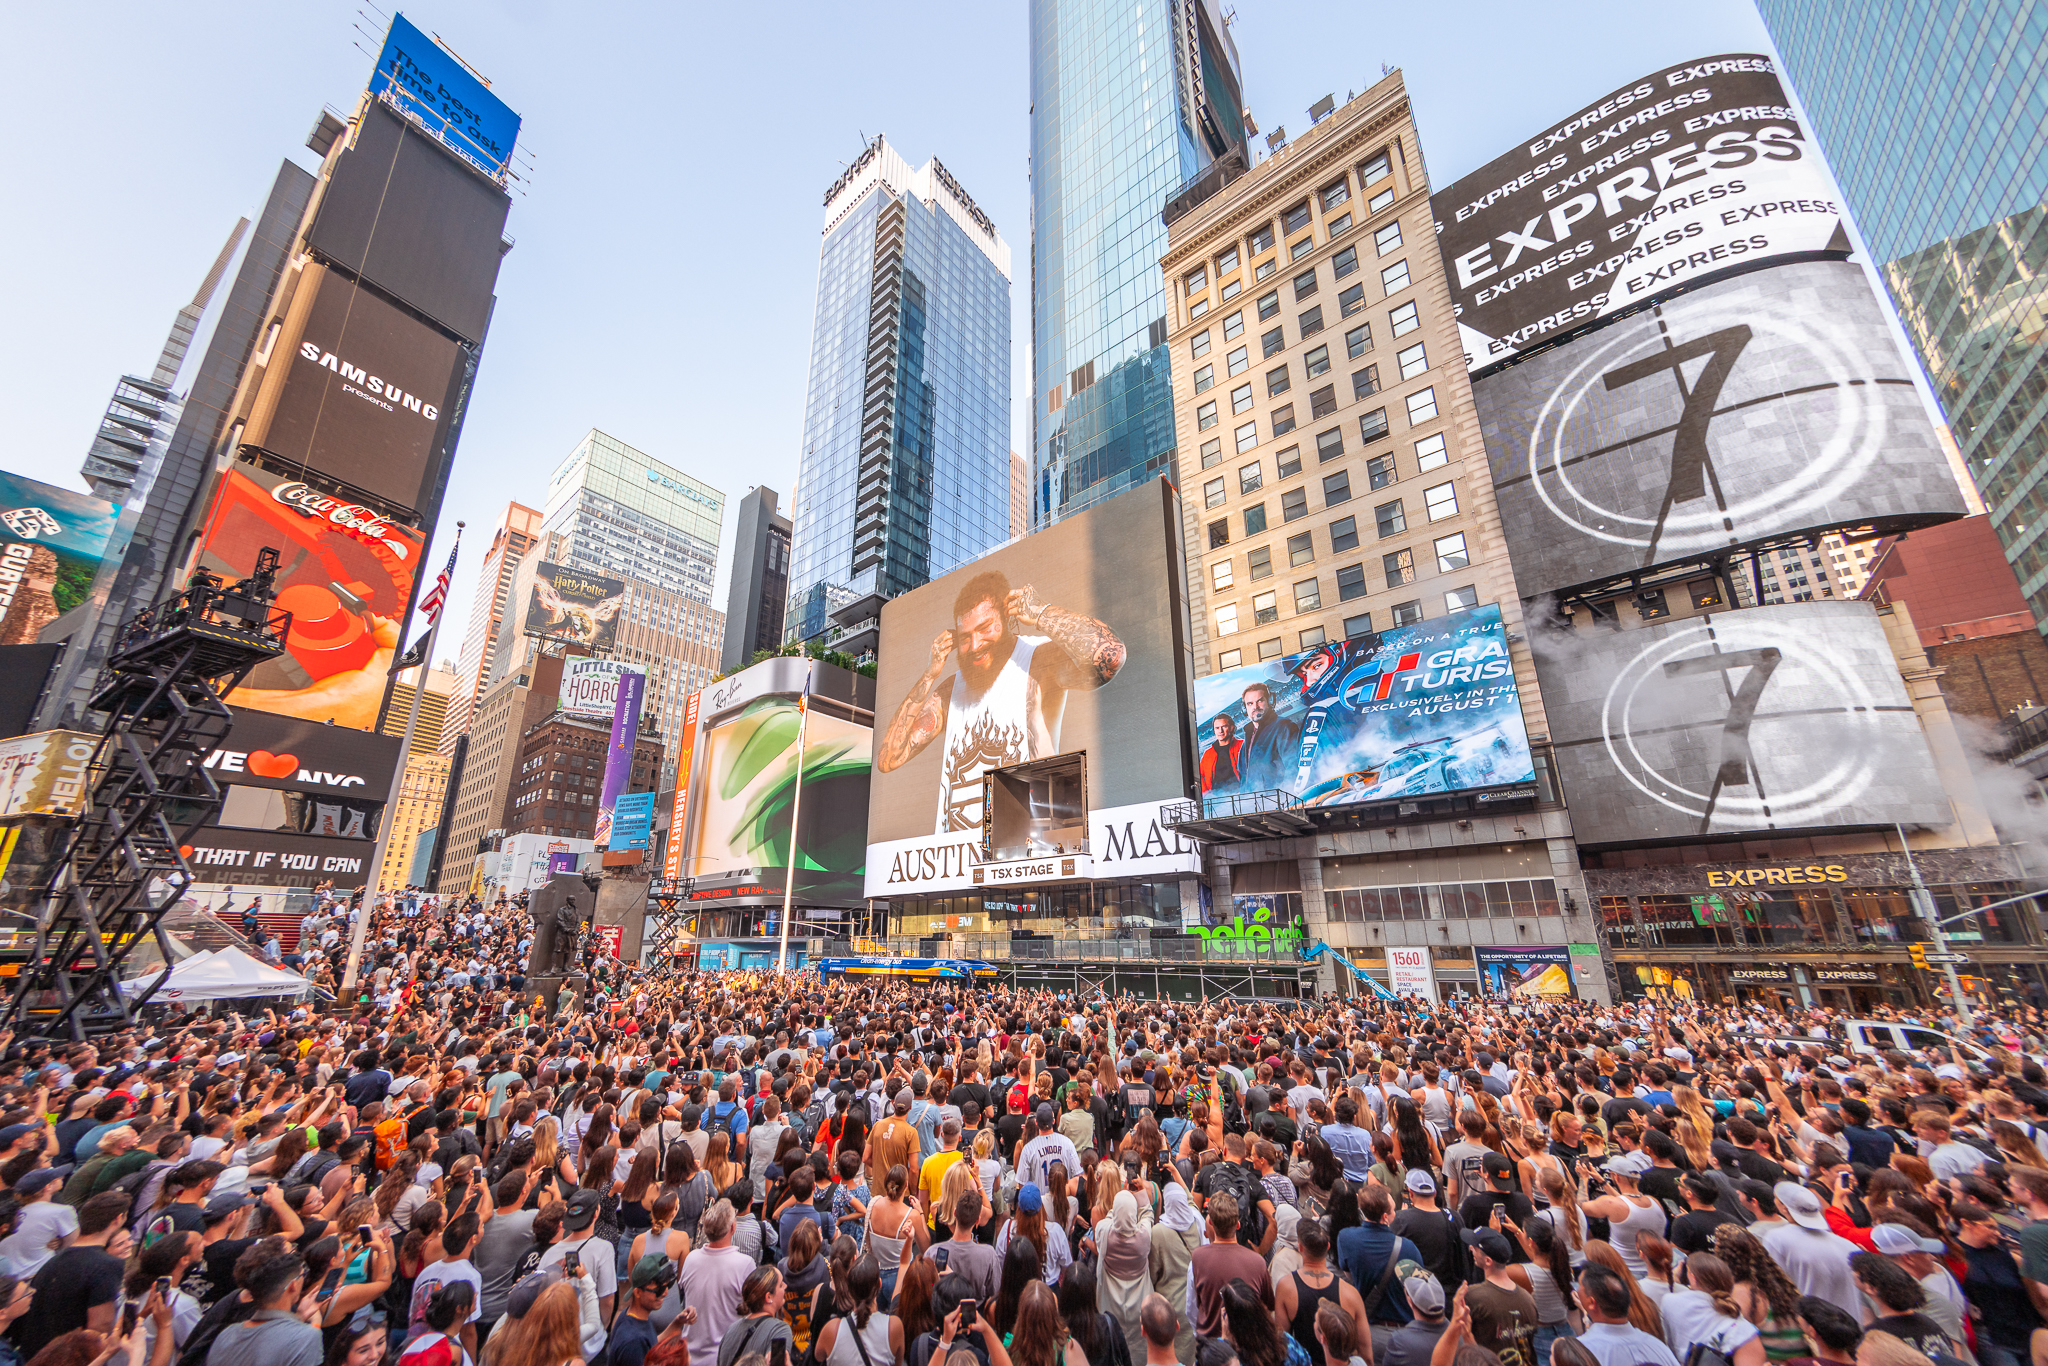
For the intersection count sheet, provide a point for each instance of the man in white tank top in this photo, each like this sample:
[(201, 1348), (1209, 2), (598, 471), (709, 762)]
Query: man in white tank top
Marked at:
[(1015, 659)]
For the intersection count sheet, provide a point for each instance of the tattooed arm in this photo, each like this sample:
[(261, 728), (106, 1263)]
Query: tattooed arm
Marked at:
[(1093, 652), (922, 715)]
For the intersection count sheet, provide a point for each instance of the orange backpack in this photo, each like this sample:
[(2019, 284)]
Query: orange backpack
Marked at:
[(391, 1138)]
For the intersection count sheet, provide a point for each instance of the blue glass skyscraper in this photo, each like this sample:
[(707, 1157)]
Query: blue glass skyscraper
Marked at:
[(905, 470), (1933, 116), (1130, 99)]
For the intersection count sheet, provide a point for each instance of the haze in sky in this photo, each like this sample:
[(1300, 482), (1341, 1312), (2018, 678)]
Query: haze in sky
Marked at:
[(674, 169)]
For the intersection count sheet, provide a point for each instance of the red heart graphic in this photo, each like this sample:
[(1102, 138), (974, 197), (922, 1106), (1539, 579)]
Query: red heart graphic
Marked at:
[(264, 764), (185, 851)]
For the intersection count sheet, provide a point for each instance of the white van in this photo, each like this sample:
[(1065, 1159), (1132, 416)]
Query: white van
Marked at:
[(1883, 1036)]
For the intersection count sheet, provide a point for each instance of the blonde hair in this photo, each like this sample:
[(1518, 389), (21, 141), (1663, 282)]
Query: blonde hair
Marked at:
[(960, 1178), (547, 1143), (1564, 1196), (1698, 1149)]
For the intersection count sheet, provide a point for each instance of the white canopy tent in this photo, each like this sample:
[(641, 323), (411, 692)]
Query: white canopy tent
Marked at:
[(224, 975)]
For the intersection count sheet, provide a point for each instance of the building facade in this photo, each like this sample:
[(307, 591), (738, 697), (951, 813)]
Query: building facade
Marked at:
[(904, 473), (416, 815), (1129, 102), (1965, 90), (516, 533), (616, 511), (508, 708), (560, 769), (759, 592)]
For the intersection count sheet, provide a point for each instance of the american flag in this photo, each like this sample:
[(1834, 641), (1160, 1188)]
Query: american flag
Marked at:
[(437, 596)]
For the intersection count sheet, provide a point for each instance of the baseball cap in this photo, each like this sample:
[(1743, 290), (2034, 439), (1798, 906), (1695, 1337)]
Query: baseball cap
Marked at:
[(1420, 1182), (39, 1178), (582, 1211), (1425, 1294), (14, 1133), (653, 1270), (1029, 1199), (1045, 1116), (1495, 1164), (221, 1206), (526, 1292), (1622, 1164), (1491, 1241), (1801, 1205), (1896, 1240)]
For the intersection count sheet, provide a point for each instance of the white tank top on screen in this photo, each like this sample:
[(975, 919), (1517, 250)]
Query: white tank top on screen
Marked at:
[(990, 730)]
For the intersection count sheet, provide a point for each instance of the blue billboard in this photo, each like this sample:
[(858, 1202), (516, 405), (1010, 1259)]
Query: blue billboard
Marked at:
[(632, 820), (1392, 715), (446, 96)]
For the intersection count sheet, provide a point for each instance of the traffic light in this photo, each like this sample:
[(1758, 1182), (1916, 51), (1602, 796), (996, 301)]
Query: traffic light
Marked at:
[(1919, 955)]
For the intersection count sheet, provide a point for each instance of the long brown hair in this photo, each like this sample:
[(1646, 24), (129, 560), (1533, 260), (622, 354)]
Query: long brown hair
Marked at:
[(914, 1298), (1040, 1333), (1642, 1310), (547, 1336)]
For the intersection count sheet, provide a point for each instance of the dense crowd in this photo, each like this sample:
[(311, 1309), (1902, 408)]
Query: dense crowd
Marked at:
[(752, 1169)]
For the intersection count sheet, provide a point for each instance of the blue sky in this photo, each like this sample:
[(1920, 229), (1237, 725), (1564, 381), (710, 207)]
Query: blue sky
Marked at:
[(663, 280)]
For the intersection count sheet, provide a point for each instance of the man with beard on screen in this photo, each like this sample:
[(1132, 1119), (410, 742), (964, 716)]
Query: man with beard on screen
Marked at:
[(1017, 660)]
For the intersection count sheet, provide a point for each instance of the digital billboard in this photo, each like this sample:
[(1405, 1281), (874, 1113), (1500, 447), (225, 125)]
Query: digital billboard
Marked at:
[(1525, 971), (45, 774), (445, 95), (346, 575), (1401, 713), (590, 687), (1752, 408), (1693, 171), (263, 749), (574, 607), (1767, 718), (746, 780), (51, 544), (632, 820), (1067, 642)]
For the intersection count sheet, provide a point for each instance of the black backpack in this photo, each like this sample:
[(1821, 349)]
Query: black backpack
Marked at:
[(1243, 1186), (722, 1124)]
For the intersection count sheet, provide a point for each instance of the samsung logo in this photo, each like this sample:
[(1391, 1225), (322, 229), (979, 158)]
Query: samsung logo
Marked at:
[(374, 385), (656, 477)]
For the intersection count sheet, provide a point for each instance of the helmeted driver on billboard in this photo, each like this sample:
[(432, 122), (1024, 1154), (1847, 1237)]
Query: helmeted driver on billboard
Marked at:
[(1013, 659)]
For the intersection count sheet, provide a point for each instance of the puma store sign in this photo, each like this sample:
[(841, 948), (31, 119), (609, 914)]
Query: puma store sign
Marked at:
[(1123, 841), (266, 750)]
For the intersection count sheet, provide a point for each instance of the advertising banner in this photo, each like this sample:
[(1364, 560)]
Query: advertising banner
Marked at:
[(1693, 171), (590, 687), (51, 543), (1123, 842), (678, 816), (266, 750), (45, 774), (1402, 713), (1770, 718), (1408, 973), (632, 820), (528, 861), (574, 607), (1753, 408), (1525, 970), (346, 575), (1065, 642), (618, 754), (436, 88), (276, 858), (746, 792)]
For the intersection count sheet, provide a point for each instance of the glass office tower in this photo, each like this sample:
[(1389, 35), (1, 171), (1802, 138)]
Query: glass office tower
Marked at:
[(622, 513), (1932, 116), (1129, 101), (905, 470)]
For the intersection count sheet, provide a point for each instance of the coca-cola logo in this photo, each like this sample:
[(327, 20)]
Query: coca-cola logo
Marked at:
[(351, 518)]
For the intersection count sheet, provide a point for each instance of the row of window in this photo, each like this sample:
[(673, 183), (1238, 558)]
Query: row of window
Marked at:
[(1451, 553), (1389, 519), (1298, 230), (1402, 614)]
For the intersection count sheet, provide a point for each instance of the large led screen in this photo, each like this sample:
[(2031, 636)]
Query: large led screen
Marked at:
[(746, 780), (1068, 641), (1697, 170), (572, 606), (1758, 407), (1410, 712), (1768, 718), (51, 544)]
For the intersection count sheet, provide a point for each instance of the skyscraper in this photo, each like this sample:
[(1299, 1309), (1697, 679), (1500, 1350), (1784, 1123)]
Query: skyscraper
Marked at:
[(905, 469), (759, 592), (1129, 102), (1932, 118), (621, 512), (516, 533)]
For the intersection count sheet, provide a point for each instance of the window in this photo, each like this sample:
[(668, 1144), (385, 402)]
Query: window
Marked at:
[(1293, 505), (1295, 219), (1336, 193), (1317, 362), (1336, 488), (1430, 453), (1269, 304), (1387, 239), (1219, 574), (1283, 420), (1304, 285), (1329, 445), (1311, 321), (1219, 532), (1272, 343), (1239, 360), (1300, 247), (1441, 501), (1405, 319), (1212, 452), (1421, 405), (1269, 649), (1213, 493), (1246, 436), (1198, 345), (1350, 582), (1374, 169), (1226, 619), (1413, 361), (1230, 659), (1205, 379), (1227, 262), (1458, 599), (1307, 596), (1394, 278), (1198, 307), (1383, 200), (1264, 270), (1301, 549), (1289, 462), (1322, 402), (1407, 613), (1379, 471), (1255, 520), (1365, 383), (1351, 301), (1339, 225), (1259, 564), (1360, 625), (1240, 398), (1277, 381), (1250, 478), (1205, 416), (1266, 608), (1197, 281), (1344, 534), (1372, 426), (1344, 262), (1358, 341), (1390, 519), (1233, 326), (1399, 567), (1262, 240), (1450, 552)]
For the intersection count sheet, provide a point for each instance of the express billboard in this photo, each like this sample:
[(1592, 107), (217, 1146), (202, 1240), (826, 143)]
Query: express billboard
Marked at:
[(1401, 713), (1692, 171), (346, 575), (747, 798), (445, 95), (574, 607), (51, 543), (1749, 409), (1067, 642)]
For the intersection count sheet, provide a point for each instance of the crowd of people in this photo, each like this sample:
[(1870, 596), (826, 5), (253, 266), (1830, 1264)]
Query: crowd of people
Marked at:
[(759, 1169)]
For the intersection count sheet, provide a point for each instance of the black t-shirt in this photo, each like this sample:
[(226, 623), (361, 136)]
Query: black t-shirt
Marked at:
[(1622, 1109), (1009, 1129), (970, 1090), (1477, 1212), (1917, 1331), (1694, 1231), (631, 1338), (1437, 1236), (213, 1275), (70, 1284), (1662, 1182)]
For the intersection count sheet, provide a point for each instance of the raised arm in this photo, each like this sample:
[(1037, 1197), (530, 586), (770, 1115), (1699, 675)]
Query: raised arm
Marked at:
[(922, 714), (1093, 651)]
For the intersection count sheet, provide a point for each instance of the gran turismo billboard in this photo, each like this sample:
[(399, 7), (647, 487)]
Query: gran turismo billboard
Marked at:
[(1769, 718), (1749, 409), (1693, 171), (1409, 712), (51, 543), (574, 607)]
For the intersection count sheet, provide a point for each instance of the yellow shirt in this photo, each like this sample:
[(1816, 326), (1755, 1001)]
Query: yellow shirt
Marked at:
[(930, 1177)]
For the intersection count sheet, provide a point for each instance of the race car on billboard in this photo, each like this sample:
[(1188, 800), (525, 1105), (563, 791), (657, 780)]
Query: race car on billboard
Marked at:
[(1445, 763)]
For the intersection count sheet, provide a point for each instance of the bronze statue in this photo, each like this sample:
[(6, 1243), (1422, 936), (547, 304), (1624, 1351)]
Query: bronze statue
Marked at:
[(568, 935)]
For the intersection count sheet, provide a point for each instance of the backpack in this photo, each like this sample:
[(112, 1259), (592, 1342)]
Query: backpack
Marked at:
[(723, 1124), (321, 1165), (391, 1139), (1243, 1186)]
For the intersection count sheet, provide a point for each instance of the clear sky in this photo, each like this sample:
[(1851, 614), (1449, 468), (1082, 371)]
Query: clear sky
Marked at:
[(666, 265)]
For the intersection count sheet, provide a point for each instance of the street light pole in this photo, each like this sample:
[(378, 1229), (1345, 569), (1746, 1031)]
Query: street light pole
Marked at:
[(1923, 901)]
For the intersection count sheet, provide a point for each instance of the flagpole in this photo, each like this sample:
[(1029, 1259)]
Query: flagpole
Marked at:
[(390, 816)]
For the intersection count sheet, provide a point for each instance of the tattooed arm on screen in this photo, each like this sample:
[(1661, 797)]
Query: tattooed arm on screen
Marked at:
[(922, 714), (1093, 652)]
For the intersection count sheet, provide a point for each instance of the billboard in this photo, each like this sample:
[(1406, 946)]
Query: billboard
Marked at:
[(435, 87), (574, 607), (1525, 971), (45, 774), (746, 773), (1693, 171), (266, 750), (346, 575), (618, 753), (590, 687), (51, 544), (1753, 408), (1407, 712), (362, 400), (222, 854), (1408, 973), (632, 820), (1066, 642), (1769, 718), (686, 755), (1123, 842)]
